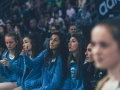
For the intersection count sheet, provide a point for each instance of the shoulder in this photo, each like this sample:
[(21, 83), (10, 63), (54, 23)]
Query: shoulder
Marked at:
[(44, 51), (102, 82)]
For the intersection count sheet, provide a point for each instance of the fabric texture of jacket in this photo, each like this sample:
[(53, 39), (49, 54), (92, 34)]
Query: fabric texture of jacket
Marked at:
[(71, 82), (32, 79)]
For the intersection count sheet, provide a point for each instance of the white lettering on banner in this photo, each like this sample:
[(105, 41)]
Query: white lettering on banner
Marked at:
[(106, 6)]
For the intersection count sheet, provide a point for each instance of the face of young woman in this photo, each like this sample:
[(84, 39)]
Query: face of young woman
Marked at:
[(73, 44), (54, 42), (105, 49), (88, 53), (10, 43), (27, 44)]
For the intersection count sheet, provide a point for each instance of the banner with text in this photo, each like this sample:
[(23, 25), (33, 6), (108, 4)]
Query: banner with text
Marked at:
[(107, 7)]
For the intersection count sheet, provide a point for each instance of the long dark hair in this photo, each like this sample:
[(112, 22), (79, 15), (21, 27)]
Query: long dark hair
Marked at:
[(80, 54), (37, 43), (62, 50), (18, 47), (4, 29)]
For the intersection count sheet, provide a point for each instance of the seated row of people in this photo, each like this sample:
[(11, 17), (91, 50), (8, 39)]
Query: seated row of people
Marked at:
[(59, 67)]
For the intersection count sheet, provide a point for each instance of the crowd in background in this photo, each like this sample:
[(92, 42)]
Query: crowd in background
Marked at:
[(42, 48)]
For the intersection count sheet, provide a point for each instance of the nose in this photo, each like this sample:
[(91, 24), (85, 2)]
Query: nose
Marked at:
[(51, 42), (86, 53), (96, 50), (69, 44), (23, 45)]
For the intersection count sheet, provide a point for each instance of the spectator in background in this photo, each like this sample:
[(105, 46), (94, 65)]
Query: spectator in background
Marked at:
[(28, 4), (9, 27), (23, 21), (39, 9), (56, 10), (48, 9), (15, 10), (32, 11), (19, 30), (15, 20), (3, 30), (86, 17), (41, 21), (48, 19), (34, 28), (71, 31), (74, 4), (14, 3), (81, 4), (6, 17), (70, 11), (58, 19), (59, 3)]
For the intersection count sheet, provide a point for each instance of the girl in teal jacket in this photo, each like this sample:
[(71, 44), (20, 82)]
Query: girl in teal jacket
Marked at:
[(11, 65), (54, 61)]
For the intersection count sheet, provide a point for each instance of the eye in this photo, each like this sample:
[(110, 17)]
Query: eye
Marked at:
[(11, 42), (6, 42), (89, 50), (50, 39), (93, 44), (104, 45), (73, 40)]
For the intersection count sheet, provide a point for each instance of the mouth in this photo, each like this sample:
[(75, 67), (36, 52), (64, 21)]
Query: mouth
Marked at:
[(51, 45), (87, 58), (9, 47)]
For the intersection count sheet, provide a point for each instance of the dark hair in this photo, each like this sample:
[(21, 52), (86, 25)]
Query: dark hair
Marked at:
[(4, 28), (61, 50), (18, 47), (71, 25), (56, 26), (114, 28), (37, 43), (80, 54), (2, 41), (21, 28), (10, 24)]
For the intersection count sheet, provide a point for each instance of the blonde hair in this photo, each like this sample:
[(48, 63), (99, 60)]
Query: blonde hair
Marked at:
[(102, 82)]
